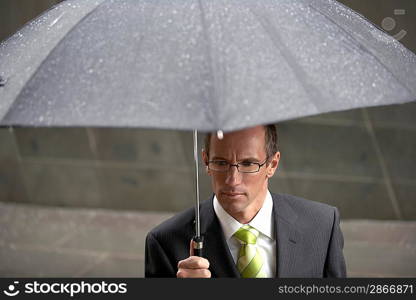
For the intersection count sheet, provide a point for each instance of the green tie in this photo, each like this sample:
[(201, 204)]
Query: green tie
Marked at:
[(249, 261)]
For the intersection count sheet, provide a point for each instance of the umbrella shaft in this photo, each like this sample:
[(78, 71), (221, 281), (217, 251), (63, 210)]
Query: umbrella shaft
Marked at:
[(197, 222)]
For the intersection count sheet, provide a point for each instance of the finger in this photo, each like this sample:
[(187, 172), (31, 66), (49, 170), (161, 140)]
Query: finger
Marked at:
[(191, 248), (193, 262), (193, 273)]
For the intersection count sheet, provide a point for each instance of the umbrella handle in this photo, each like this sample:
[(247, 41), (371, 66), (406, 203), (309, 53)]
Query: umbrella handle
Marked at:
[(198, 245)]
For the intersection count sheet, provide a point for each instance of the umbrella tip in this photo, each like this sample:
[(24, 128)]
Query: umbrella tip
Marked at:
[(2, 81), (220, 134)]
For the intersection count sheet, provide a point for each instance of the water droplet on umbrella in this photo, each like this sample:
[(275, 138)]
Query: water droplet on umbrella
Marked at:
[(3, 81), (56, 20)]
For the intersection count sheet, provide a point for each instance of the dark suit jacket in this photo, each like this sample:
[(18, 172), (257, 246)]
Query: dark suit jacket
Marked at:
[(309, 241)]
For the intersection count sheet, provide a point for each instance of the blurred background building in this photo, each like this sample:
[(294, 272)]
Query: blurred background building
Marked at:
[(79, 201)]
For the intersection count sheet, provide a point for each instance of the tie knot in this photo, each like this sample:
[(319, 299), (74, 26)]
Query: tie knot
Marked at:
[(246, 234)]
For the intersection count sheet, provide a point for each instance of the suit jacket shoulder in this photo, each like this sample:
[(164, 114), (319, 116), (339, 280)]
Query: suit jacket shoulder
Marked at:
[(310, 241), (306, 212), (174, 224), (168, 243)]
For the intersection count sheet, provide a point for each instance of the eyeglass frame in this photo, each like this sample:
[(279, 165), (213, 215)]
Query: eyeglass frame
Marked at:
[(237, 165)]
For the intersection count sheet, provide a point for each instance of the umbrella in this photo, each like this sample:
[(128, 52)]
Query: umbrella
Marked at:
[(203, 65), (199, 65)]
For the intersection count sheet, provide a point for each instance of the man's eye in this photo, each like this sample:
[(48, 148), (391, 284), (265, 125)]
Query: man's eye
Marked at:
[(220, 162), (247, 163)]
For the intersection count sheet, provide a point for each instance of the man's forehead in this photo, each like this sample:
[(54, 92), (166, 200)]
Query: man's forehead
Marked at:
[(245, 143)]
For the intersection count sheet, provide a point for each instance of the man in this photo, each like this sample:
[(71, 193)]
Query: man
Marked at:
[(248, 232)]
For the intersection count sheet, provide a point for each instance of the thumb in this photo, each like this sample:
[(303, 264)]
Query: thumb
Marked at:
[(191, 248)]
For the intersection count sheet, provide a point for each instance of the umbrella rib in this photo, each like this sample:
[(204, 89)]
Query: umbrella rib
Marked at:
[(310, 91), (363, 47), (5, 116), (212, 93)]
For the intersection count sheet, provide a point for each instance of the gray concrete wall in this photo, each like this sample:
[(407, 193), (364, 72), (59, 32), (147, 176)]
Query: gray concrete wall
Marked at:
[(361, 161)]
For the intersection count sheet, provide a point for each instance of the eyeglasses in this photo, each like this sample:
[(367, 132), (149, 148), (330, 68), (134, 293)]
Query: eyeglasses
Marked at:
[(242, 167)]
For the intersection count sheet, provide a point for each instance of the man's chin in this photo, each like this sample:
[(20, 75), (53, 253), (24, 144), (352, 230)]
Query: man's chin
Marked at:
[(234, 209)]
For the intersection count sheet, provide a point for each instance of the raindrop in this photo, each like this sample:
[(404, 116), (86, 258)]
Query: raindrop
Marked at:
[(56, 20), (2, 81)]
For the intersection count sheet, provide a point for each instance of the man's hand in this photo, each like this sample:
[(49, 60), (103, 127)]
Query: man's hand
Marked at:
[(193, 266)]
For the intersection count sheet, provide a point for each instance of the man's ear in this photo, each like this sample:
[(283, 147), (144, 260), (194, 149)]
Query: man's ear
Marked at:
[(273, 164), (205, 160)]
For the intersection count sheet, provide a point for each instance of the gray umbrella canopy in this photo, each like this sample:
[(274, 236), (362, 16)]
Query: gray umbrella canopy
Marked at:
[(203, 65)]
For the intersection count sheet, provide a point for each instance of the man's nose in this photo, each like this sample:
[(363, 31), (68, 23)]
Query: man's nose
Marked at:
[(233, 176)]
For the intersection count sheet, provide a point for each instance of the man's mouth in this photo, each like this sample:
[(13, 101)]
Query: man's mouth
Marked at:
[(232, 194)]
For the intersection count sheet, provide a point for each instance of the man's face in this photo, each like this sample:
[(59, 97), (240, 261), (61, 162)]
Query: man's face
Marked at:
[(241, 194)]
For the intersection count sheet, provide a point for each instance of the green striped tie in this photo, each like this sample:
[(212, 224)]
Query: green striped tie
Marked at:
[(249, 261)]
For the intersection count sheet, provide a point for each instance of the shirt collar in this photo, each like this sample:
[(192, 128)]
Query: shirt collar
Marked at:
[(263, 221)]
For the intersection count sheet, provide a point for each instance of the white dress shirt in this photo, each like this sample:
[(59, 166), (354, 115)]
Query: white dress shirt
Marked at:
[(263, 222)]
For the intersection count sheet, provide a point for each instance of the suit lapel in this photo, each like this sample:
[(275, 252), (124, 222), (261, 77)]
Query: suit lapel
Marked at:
[(287, 236), (215, 247)]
